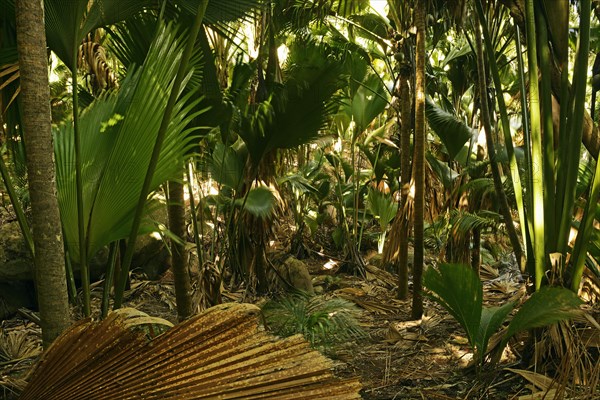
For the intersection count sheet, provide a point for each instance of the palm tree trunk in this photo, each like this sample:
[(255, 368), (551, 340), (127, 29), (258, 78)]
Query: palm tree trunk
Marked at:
[(179, 260), (419, 160), (396, 248), (50, 274), (406, 172)]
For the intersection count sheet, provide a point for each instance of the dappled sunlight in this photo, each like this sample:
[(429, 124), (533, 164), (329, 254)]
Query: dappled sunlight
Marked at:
[(329, 265)]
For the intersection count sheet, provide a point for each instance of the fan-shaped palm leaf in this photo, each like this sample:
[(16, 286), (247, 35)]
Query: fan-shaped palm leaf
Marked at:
[(453, 132), (369, 101), (118, 135), (458, 289), (298, 110), (464, 222), (219, 354), (260, 202)]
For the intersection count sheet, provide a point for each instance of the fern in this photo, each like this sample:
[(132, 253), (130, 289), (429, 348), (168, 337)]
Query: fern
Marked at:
[(323, 322)]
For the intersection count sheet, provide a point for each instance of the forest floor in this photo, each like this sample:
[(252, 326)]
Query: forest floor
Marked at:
[(397, 359)]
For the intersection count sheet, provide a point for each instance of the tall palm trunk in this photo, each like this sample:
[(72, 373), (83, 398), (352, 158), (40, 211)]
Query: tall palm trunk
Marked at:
[(49, 257), (406, 172), (396, 248), (419, 160), (179, 260)]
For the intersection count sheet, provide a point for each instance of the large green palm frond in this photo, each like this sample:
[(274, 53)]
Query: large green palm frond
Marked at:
[(368, 102), (222, 11), (453, 132), (118, 133), (67, 22), (296, 15), (299, 109)]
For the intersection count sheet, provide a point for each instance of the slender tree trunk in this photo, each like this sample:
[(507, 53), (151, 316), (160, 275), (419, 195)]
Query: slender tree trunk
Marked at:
[(419, 160), (50, 274), (396, 247), (179, 259), (487, 126), (406, 173)]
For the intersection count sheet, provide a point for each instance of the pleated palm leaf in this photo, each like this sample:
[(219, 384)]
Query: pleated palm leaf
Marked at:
[(68, 22), (219, 354), (299, 109), (118, 133)]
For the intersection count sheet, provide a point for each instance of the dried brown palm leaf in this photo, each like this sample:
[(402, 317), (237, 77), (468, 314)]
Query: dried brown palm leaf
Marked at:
[(92, 57), (219, 354)]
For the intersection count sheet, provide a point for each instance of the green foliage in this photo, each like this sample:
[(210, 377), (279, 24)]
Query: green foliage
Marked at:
[(260, 202), (227, 167), (384, 209), (453, 132), (548, 305), (118, 134), (298, 109), (322, 321), (382, 206), (458, 289), (364, 105)]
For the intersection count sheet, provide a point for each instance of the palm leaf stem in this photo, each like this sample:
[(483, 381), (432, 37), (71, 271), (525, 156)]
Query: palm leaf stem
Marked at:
[(17, 207), (190, 176), (585, 228), (537, 187), (487, 126), (584, 233), (508, 143), (166, 119), (109, 277), (548, 138), (528, 200), (71, 287), (83, 261), (575, 126)]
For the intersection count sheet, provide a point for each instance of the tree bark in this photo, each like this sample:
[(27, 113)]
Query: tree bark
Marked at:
[(419, 160), (179, 260), (395, 252), (49, 260)]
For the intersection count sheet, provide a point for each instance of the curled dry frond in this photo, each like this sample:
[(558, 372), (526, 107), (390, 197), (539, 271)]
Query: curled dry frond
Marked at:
[(17, 345), (220, 353), (92, 58)]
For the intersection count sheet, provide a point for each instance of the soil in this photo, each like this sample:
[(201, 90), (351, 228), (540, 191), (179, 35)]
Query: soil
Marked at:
[(399, 358)]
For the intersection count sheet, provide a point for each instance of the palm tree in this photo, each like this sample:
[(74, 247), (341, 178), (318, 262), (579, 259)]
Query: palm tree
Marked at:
[(50, 275), (419, 158), (293, 115), (396, 249)]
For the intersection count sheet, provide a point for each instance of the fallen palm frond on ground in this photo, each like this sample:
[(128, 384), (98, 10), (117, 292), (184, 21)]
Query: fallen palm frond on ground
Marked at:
[(221, 353)]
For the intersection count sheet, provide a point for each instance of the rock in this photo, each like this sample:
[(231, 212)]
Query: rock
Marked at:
[(16, 264), (295, 272), (15, 261), (14, 295), (151, 256)]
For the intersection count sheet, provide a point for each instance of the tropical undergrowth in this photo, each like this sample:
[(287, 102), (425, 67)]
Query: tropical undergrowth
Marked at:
[(324, 321)]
